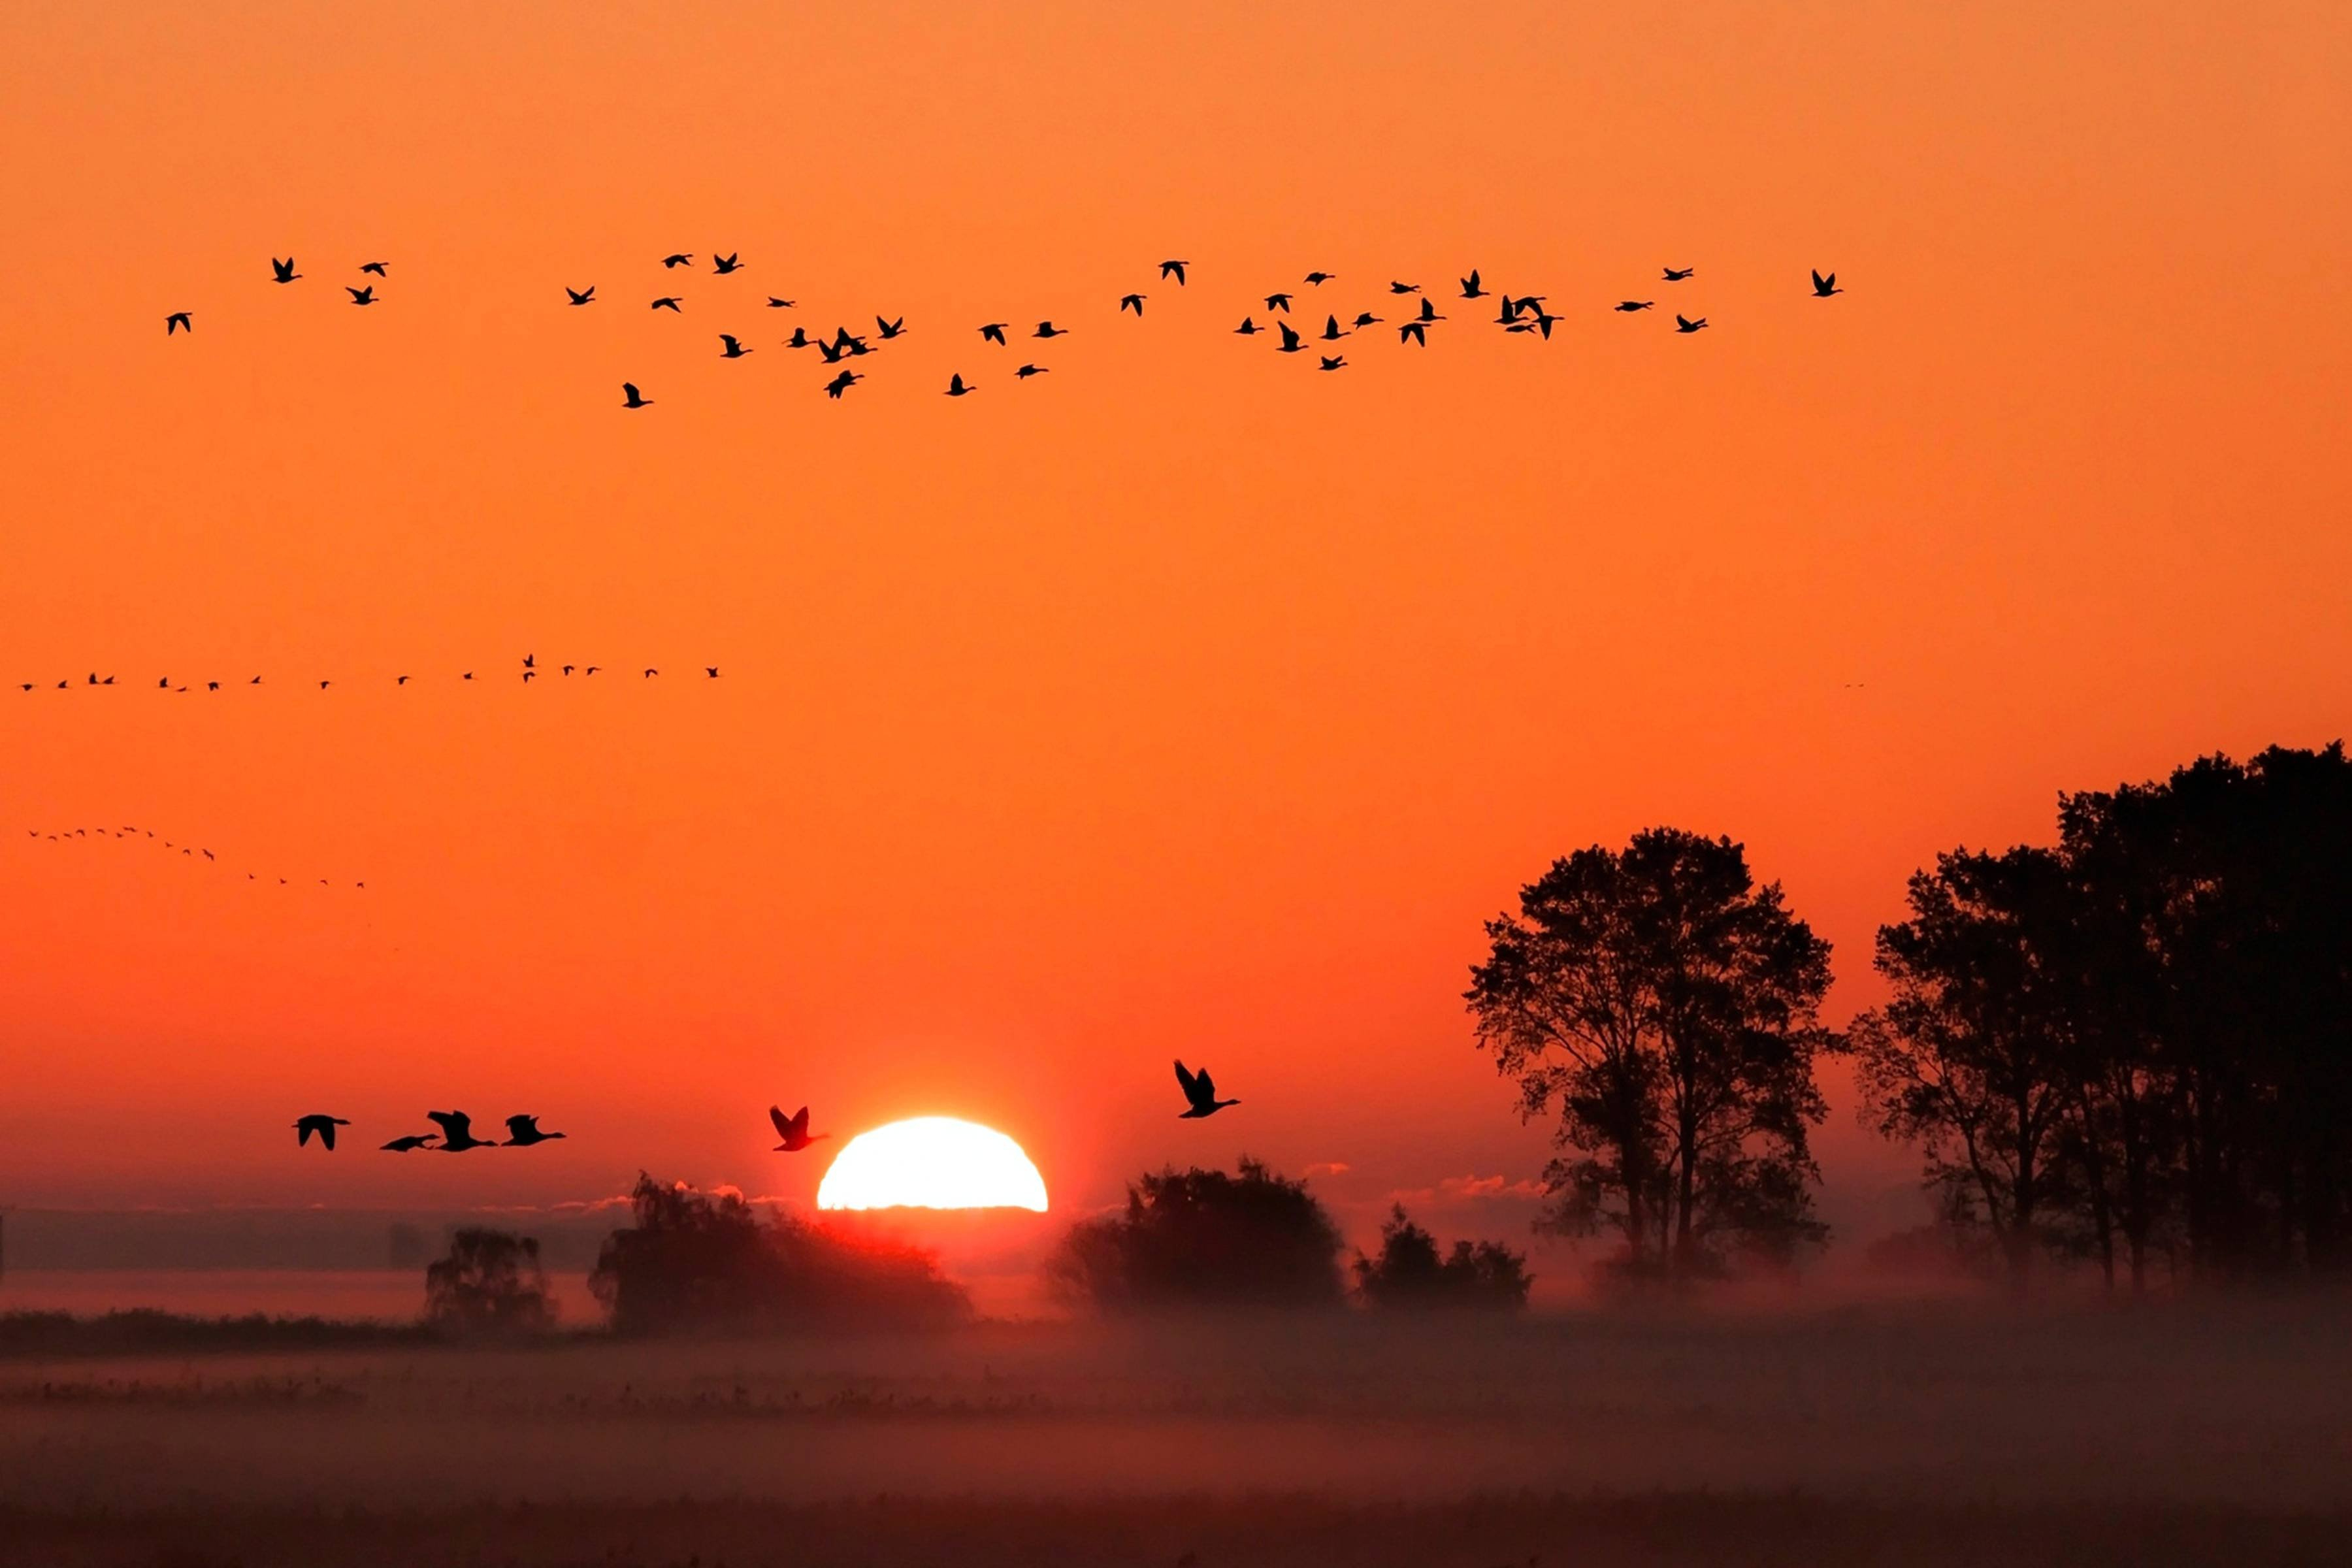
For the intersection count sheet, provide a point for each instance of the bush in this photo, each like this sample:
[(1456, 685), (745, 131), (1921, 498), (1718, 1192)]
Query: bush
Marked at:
[(1409, 1273), (700, 1261), (490, 1282), (1198, 1238)]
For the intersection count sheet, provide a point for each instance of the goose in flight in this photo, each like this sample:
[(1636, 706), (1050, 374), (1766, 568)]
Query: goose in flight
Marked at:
[(282, 271), (403, 1145), (1131, 302), (667, 302), (1278, 303), (1291, 341), (723, 265), (1429, 311), (456, 1131), (1676, 274), (829, 350), (1470, 289), (1414, 333), (1333, 332), (1365, 318), (1397, 288), (1026, 370), (582, 296), (799, 340), (678, 258), (993, 333), (793, 1130), (956, 387), (1319, 278), (1334, 361), (1248, 328), (891, 329), (842, 383), (1174, 269), (1047, 330), (523, 1131), (1684, 324), (1823, 287), (731, 349), (375, 267), (710, 671), (776, 304), (324, 1126), (1199, 1093), (361, 296), (177, 321), (628, 391), (1632, 304)]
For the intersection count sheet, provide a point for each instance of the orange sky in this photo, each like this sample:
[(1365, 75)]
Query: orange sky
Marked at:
[(1184, 701)]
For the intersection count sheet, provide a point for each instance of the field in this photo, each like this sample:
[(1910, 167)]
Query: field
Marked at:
[(1877, 1435)]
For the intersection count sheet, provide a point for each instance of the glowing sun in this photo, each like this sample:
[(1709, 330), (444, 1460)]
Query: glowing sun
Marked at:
[(932, 1163)]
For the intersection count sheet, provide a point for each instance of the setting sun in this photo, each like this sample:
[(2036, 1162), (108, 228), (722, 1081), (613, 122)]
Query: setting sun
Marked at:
[(931, 1162)]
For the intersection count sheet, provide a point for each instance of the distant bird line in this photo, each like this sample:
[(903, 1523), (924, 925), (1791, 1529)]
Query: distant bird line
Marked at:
[(195, 853), (1519, 314), (528, 671)]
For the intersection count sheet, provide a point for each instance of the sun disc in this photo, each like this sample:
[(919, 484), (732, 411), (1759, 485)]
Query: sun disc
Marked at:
[(933, 1162)]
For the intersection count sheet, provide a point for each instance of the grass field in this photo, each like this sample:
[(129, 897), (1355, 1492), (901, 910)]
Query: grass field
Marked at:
[(1882, 1434)]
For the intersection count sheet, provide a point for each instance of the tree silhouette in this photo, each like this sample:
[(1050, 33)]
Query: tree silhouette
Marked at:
[(1665, 1005), (1198, 1238), (489, 1281), (704, 1261), (1410, 1272)]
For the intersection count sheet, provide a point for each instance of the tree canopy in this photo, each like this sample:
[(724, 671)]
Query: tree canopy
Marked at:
[(1409, 1271), (1197, 1238)]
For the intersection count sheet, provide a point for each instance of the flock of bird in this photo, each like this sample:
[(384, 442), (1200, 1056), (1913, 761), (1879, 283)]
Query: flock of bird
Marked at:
[(189, 851), (457, 1134), (530, 669), (1514, 312)]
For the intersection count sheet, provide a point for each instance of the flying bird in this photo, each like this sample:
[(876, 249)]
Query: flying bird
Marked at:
[(667, 302), (401, 1145), (456, 1131), (732, 349), (776, 304), (1174, 269), (1026, 370), (1047, 330), (1200, 1093), (891, 329), (282, 271), (1397, 288), (993, 333), (725, 263), (1333, 332), (649, 673), (1676, 274), (793, 1130), (956, 387), (1429, 311), (1825, 287), (177, 321), (1291, 341), (629, 392), (375, 267), (1334, 361), (842, 383), (523, 1131), (799, 340), (1248, 328), (1319, 278), (324, 1126), (582, 296), (678, 258), (1414, 333), (1632, 304), (1366, 318), (361, 296), (1470, 289), (1684, 324), (1131, 302), (1278, 303)]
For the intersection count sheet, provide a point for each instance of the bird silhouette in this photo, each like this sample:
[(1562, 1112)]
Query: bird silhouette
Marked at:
[(776, 304), (667, 302), (1684, 324), (456, 1131), (1047, 330), (725, 263), (1509, 313), (1396, 288), (793, 1130), (829, 350), (1200, 1093), (375, 267), (1333, 362), (956, 387), (1291, 341), (842, 383), (1414, 333), (1632, 304), (1248, 328), (891, 329), (324, 1126), (678, 258), (799, 340), (523, 1131), (178, 321), (649, 674), (1332, 330), (1174, 269), (993, 333), (1319, 278), (1470, 288), (1026, 370), (282, 271), (1676, 274), (401, 1145), (1365, 318), (1823, 287), (1278, 303), (582, 296), (1131, 302), (361, 296), (1429, 311), (731, 349), (400, 680), (634, 400)]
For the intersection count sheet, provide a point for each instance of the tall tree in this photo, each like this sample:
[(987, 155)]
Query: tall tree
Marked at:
[(1666, 1006)]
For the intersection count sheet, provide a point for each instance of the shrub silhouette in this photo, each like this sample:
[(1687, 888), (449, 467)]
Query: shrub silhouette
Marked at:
[(1198, 1238), (701, 1261), (489, 1281), (1409, 1271)]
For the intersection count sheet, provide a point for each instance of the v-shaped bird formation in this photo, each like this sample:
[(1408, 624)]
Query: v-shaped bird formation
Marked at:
[(194, 854)]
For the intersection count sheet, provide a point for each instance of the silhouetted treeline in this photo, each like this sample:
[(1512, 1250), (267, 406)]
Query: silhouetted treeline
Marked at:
[(698, 1261), (2136, 1045), (143, 1330), (1408, 1272), (490, 1282), (1663, 1005), (1204, 1238)]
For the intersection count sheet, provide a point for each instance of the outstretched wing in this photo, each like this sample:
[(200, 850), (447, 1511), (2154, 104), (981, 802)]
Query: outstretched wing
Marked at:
[(302, 1131), (516, 1126), (1819, 281), (455, 1125), (1193, 1083), (1208, 1087), (326, 1133), (799, 1123)]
